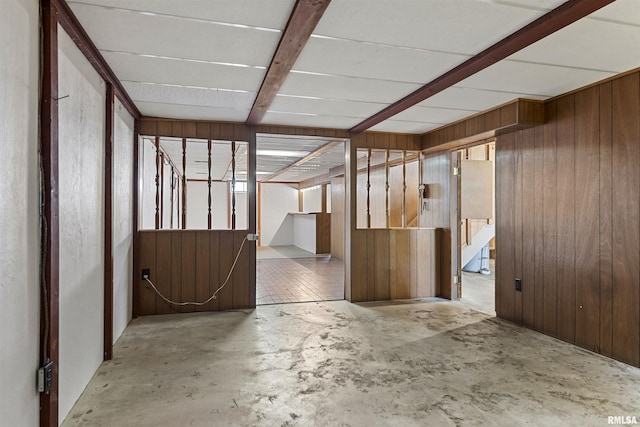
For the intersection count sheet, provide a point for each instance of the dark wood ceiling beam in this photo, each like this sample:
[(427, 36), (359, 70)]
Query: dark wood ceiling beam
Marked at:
[(303, 20), (565, 14), (72, 26)]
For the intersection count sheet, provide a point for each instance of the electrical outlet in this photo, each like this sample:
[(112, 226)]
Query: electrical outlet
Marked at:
[(146, 273), (518, 285), (45, 377)]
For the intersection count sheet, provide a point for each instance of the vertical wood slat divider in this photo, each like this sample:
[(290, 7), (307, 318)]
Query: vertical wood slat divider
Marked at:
[(369, 188), (233, 185), (173, 187), (404, 189), (386, 188), (157, 145), (184, 183), (209, 184), (161, 190)]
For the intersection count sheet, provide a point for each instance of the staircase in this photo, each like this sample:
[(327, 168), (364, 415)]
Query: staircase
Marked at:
[(479, 240)]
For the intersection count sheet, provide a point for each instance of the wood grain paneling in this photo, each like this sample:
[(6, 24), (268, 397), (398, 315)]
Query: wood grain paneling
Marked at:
[(337, 217), (163, 270), (582, 184), (527, 222), (587, 219), (566, 272), (626, 215), (190, 266), (539, 224), (509, 117), (435, 174), (323, 233), (606, 217), (202, 278), (395, 264), (505, 229), (550, 219)]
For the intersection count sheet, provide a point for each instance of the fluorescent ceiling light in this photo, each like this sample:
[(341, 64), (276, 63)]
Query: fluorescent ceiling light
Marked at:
[(281, 153)]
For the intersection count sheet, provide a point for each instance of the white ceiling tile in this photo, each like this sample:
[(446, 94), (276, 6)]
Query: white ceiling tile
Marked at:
[(189, 96), (331, 122), (461, 26), (403, 127), (263, 13), (325, 106), (345, 88), (355, 59), (419, 113), (623, 11), (176, 111), (136, 68), (532, 79), (588, 43), (116, 30)]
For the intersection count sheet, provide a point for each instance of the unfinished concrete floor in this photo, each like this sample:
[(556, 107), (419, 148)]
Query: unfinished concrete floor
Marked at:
[(339, 364)]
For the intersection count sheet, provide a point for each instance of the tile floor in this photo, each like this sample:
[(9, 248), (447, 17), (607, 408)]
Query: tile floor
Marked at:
[(288, 280)]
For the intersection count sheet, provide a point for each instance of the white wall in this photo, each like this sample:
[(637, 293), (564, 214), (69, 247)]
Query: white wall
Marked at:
[(276, 201), (312, 200), (81, 182), (19, 192), (198, 205), (147, 165), (122, 219), (328, 198)]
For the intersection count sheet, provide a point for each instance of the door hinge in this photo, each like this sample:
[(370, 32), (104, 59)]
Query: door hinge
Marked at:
[(457, 170), (457, 281)]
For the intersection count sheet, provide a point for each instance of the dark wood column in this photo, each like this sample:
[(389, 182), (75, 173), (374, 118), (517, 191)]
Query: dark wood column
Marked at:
[(108, 223), (49, 227)]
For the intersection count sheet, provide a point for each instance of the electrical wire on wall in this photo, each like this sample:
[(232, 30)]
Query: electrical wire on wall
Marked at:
[(212, 297)]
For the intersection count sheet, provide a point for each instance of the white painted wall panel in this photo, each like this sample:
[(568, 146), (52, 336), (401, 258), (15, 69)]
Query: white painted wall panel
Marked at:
[(276, 201), (20, 249), (312, 200), (304, 232), (147, 165), (81, 181), (122, 219), (197, 205)]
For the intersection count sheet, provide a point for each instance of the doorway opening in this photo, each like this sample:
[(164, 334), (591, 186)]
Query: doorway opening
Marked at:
[(300, 205), (476, 243)]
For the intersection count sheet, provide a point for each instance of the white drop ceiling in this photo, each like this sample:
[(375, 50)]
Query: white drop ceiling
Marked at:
[(206, 59)]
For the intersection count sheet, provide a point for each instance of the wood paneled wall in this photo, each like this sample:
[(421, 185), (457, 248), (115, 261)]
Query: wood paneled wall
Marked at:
[(395, 264), (509, 117), (337, 217), (323, 233), (436, 173), (189, 265), (568, 220)]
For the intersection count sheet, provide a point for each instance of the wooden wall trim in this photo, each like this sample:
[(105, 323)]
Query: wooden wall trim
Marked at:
[(72, 26), (108, 223), (226, 131), (387, 140), (510, 117), (49, 224)]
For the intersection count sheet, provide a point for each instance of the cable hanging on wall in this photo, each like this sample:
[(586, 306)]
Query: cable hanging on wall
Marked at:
[(212, 297)]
